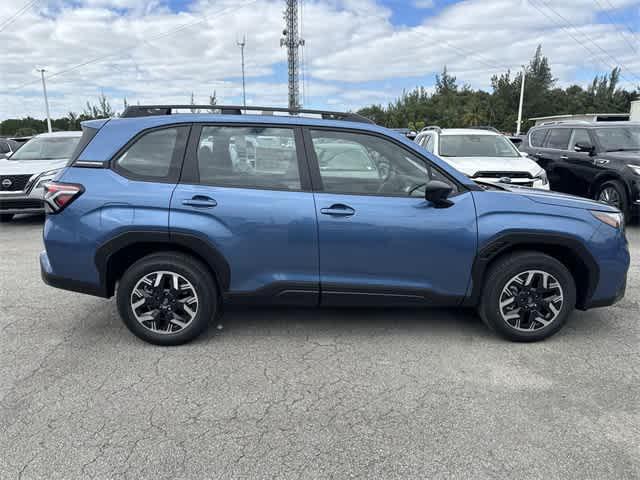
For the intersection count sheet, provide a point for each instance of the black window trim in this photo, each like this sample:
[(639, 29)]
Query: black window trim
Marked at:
[(177, 157), (316, 178), (191, 175)]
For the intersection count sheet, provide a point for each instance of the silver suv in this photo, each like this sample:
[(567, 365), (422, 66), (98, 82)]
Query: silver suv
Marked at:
[(483, 155), (24, 173)]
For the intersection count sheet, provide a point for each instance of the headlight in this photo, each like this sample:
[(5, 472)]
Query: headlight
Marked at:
[(542, 176), (47, 177), (635, 168), (615, 220)]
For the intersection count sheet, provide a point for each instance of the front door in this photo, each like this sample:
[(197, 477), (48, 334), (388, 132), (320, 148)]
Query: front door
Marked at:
[(380, 241), (246, 191)]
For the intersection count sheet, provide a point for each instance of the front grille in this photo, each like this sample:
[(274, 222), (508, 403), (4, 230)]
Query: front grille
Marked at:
[(502, 174), (19, 203), (13, 183)]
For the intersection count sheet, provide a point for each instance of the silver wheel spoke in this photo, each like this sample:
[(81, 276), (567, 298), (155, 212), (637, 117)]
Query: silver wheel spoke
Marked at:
[(139, 303)]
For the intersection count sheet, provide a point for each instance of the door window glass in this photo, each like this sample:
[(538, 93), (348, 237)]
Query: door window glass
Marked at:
[(248, 157), (558, 138), (353, 163), (4, 147), (581, 136)]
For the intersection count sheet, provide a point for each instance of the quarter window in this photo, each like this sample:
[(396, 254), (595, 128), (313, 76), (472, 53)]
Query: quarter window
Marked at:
[(152, 156), (248, 157), (558, 138), (353, 163), (537, 137)]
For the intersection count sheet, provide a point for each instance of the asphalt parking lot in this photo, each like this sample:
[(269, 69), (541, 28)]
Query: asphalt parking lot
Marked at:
[(287, 393)]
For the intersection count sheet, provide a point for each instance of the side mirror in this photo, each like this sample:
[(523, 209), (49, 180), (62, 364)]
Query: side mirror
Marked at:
[(581, 147), (437, 192)]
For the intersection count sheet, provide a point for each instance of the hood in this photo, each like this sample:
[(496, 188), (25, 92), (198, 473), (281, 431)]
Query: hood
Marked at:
[(559, 199), (632, 157), (22, 167), (471, 165)]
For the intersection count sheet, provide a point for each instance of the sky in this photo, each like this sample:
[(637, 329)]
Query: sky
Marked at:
[(357, 52)]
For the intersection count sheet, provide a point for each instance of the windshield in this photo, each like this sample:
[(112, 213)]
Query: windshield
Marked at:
[(476, 146), (47, 148), (619, 138)]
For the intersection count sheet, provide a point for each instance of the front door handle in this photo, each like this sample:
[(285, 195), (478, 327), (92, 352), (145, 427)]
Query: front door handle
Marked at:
[(564, 157), (338, 209), (200, 201)]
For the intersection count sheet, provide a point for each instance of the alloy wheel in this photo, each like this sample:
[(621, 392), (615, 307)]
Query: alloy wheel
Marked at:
[(531, 300), (611, 196), (164, 302)]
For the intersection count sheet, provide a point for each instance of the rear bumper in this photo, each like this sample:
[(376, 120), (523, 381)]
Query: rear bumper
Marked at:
[(63, 283)]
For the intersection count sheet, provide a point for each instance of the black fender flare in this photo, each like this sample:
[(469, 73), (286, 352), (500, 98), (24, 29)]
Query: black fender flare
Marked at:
[(197, 244), (512, 240)]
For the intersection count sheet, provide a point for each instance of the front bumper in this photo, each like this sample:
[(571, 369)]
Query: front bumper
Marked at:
[(22, 202)]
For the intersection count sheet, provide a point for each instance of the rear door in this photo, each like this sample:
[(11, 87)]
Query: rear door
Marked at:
[(245, 189), (380, 241), (581, 167)]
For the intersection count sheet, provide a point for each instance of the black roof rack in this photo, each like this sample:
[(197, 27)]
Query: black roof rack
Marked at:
[(151, 110)]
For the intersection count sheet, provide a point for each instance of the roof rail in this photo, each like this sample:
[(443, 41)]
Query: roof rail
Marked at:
[(152, 110), (431, 127), (558, 122)]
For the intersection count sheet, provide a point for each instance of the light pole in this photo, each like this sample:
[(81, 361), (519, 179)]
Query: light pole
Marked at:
[(524, 72), (46, 100), (241, 45)]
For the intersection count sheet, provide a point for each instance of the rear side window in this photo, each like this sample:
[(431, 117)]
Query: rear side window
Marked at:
[(154, 156), (536, 138), (248, 157), (4, 147), (558, 138)]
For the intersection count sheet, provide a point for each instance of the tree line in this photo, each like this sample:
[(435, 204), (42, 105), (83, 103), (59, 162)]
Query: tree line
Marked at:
[(24, 127), (451, 105)]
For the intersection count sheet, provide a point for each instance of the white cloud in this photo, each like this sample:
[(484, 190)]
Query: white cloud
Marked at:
[(147, 52), (423, 3)]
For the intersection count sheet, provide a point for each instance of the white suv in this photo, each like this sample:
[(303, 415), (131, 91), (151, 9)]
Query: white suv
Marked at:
[(483, 155)]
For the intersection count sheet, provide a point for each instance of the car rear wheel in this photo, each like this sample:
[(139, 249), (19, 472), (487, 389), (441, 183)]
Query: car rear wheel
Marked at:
[(167, 298), (6, 217), (527, 296), (614, 193)]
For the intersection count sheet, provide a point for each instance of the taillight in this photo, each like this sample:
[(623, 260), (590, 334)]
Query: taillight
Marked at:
[(58, 196)]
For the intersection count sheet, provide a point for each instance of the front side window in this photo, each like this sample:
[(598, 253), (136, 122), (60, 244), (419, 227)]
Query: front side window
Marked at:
[(4, 147), (359, 164), (248, 157), (151, 156), (558, 138), (476, 146), (619, 138), (581, 137), (47, 148)]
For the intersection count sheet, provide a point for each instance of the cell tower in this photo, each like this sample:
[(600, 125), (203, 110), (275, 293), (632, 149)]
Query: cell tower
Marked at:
[(292, 41)]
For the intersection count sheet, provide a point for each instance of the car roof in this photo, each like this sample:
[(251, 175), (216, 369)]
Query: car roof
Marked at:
[(468, 131), (72, 133), (578, 124)]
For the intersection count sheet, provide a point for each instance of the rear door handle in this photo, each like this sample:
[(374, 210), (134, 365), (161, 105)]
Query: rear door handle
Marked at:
[(338, 209), (200, 201), (564, 157)]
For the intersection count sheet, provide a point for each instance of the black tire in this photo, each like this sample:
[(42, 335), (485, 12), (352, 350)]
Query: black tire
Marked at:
[(621, 193), (6, 217), (502, 272), (190, 269)]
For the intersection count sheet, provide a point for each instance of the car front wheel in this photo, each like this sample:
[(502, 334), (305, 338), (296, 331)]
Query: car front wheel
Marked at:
[(614, 193), (527, 296), (167, 298)]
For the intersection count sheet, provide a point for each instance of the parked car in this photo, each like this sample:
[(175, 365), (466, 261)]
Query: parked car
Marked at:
[(7, 147), (23, 175), (599, 160), (177, 235), (483, 155)]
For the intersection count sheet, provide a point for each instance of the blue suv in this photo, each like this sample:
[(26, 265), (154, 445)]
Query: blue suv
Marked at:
[(181, 214)]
